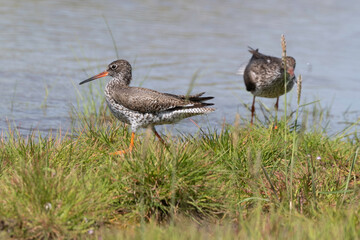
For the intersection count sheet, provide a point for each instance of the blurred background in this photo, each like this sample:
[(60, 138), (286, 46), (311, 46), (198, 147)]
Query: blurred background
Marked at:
[(48, 47)]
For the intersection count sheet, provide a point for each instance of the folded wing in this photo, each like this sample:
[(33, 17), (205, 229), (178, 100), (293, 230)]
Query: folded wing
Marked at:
[(146, 100)]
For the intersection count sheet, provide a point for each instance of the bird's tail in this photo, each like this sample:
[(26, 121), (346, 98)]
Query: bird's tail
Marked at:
[(197, 98)]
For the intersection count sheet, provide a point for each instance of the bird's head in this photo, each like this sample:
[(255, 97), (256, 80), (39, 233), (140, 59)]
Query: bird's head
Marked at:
[(120, 70)]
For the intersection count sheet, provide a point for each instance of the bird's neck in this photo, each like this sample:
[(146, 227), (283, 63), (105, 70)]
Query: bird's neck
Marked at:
[(117, 83), (121, 79)]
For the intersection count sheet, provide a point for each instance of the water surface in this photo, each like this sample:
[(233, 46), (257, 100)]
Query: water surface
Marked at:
[(48, 47)]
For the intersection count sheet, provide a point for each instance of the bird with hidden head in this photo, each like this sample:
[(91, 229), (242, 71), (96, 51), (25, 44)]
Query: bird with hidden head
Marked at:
[(265, 76)]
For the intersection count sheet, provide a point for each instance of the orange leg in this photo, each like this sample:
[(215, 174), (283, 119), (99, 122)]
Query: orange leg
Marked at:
[(158, 135), (252, 111), (127, 150)]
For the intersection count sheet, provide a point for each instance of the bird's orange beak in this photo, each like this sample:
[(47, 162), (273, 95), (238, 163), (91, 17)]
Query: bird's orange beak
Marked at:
[(290, 71), (100, 75)]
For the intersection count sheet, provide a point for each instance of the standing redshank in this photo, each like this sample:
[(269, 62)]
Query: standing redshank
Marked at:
[(142, 107), (264, 77)]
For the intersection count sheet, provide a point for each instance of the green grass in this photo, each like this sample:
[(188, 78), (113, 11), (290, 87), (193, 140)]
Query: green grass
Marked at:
[(234, 182)]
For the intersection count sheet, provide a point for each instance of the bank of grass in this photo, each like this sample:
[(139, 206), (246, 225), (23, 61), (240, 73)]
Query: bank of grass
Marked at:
[(237, 181)]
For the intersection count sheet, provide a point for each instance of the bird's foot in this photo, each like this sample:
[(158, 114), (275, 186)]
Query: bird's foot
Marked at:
[(129, 150), (121, 152)]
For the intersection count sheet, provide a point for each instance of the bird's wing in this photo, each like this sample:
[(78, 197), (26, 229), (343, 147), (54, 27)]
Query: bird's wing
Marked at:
[(256, 55), (146, 100), (266, 69), (261, 70)]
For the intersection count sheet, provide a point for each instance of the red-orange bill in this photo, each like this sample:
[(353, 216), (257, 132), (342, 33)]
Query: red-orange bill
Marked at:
[(291, 71), (100, 75)]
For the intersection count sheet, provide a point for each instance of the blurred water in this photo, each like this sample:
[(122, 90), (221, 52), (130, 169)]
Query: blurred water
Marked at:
[(47, 47)]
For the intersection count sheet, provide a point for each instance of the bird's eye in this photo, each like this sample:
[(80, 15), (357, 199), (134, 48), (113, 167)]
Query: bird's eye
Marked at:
[(113, 66)]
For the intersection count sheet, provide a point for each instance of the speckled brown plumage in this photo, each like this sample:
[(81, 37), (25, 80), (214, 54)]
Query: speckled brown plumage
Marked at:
[(142, 107), (264, 76), (149, 101)]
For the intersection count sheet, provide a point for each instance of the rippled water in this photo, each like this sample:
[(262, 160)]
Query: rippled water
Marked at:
[(47, 47)]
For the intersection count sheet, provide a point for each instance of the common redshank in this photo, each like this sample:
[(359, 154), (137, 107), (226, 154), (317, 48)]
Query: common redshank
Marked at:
[(264, 77), (142, 107)]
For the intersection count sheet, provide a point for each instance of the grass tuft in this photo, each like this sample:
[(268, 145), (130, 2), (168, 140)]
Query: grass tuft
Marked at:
[(229, 183)]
